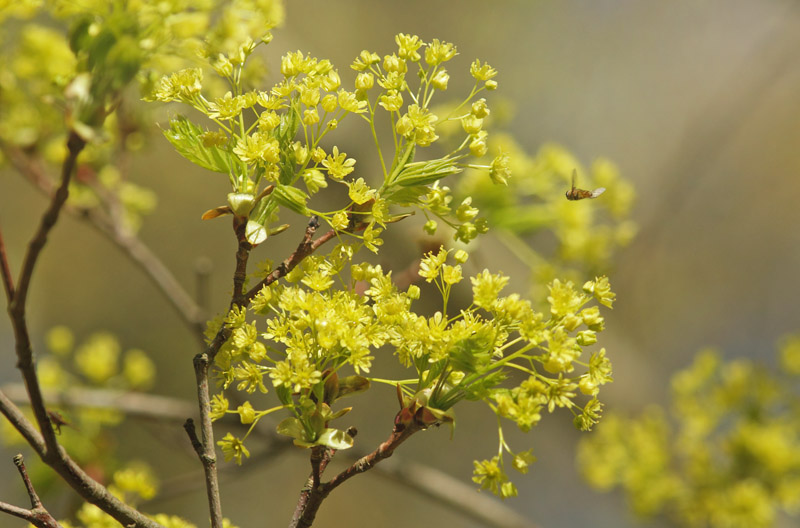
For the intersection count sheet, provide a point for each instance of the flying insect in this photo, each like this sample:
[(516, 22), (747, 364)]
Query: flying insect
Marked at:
[(580, 194)]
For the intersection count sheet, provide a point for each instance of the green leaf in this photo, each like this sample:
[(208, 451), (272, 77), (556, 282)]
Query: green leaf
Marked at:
[(426, 172), (404, 195), (350, 385), (292, 198), (293, 428), (335, 439), (340, 413), (185, 137)]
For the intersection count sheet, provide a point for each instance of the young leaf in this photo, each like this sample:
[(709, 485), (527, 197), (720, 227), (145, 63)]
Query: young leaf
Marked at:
[(292, 198), (335, 439), (185, 137)]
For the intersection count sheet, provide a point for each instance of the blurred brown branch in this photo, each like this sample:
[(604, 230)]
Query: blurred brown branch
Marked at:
[(37, 515), (44, 440), (110, 225)]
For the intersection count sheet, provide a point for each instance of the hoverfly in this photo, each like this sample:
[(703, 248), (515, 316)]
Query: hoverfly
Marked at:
[(580, 194)]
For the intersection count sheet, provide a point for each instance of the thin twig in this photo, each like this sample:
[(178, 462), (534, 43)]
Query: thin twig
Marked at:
[(135, 404), (437, 486), (112, 227), (16, 307), (89, 489), (203, 360), (39, 516), (16, 511), (310, 500), (44, 440), (188, 426), (5, 271), (207, 454)]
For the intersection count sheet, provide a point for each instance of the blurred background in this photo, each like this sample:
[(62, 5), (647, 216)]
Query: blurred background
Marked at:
[(697, 103)]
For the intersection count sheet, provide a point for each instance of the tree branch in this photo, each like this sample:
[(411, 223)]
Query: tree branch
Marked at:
[(206, 449), (37, 515), (89, 489), (112, 227), (207, 453), (305, 248), (203, 360), (5, 271), (16, 305), (44, 440), (453, 494), (134, 404), (311, 499)]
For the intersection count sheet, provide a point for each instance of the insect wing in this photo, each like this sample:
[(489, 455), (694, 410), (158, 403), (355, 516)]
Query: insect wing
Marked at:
[(597, 192)]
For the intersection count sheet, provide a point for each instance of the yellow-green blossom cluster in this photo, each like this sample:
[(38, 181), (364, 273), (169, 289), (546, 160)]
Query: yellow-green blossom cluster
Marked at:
[(71, 75), (269, 141), (729, 457), (316, 331), (587, 233)]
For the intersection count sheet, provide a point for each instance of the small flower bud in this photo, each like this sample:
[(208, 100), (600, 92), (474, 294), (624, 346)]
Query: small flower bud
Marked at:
[(309, 96), (365, 81), (478, 146), (223, 66), (310, 116), (587, 337), (318, 154), (471, 124), (439, 81), (329, 103), (480, 109), (393, 63), (587, 386), (300, 153), (413, 292), (404, 125)]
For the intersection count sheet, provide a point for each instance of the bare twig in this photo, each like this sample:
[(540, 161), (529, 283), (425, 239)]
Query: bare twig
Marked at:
[(311, 499), (134, 404), (202, 361), (207, 453), (112, 227), (439, 487), (91, 491), (5, 271), (188, 426), (44, 440), (452, 493), (16, 306), (37, 515), (16, 511)]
